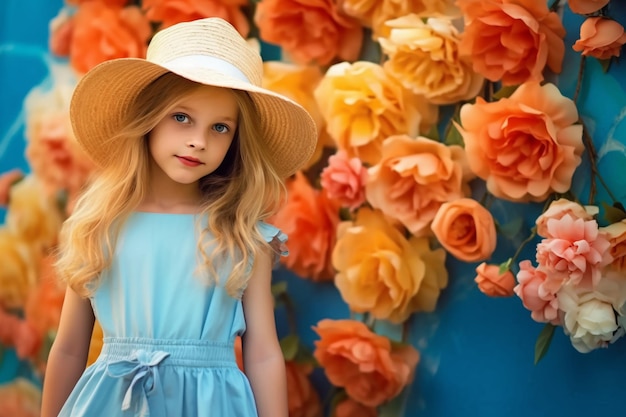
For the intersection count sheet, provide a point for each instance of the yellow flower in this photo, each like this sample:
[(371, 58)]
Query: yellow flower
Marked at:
[(424, 56), (362, 106), (17, 270), (298, 83), (382, 272)]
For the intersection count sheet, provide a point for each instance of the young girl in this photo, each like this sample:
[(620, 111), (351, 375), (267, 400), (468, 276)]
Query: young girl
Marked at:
[(167, 248)]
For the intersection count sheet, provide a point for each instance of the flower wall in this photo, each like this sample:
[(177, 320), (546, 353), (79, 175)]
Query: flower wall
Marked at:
[(460, 220)]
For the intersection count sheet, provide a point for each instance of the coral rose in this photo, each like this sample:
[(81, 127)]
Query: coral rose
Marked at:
[(363, 105), (535, 296), (371, 370), (586, 6), (560, 208), (103, 32), (309, 31), (383, 273), (616, 233), (20, 398), (302, 399), (350, 408), (512, 41), (298, 83), (414, 177), (600, 38), (466, 229), (170, 12), (344, 180), (424, 56), (492, 283), (310, 220), (6, 182), (525, 146)]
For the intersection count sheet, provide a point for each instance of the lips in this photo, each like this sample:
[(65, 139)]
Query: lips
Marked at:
[(189, 161)]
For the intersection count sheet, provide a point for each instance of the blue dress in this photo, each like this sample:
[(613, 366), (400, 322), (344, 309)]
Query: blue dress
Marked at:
[(168, 336)]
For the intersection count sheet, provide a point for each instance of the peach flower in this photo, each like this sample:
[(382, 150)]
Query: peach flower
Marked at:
[(310, 220), (492, 283), (374, 13), (6, 182), (525, 146), (363, 105), (20, 398), (170, 12), (586, 6), (45, 300), (344, 180), (574, 252), (18, 274), (102, 32), (466, 229), (414, 177), (382, 272), (600, 38), (350, 408), (302, 399), (424, 56), (20, 334), (560, 208), (512, 41), (367, 365), (309, 31), (298, 83), (536, 297), (61, 32), (616, 233)]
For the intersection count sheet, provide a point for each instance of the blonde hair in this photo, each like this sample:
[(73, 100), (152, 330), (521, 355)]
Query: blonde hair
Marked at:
[(232, 196)]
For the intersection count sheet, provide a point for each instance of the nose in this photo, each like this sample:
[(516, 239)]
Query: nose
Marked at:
[(196, 142)]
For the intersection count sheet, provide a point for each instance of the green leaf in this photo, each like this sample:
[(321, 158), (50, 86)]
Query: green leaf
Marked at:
[(505, 266), (279, 288), (505, 92), (511, 229), (433, 133), (605, 64), (396, 406), (614, 213), (290, 345), (543, 342), (453, 136)]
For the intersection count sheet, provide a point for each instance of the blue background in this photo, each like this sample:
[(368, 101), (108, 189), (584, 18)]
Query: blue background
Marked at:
[(476, 352)]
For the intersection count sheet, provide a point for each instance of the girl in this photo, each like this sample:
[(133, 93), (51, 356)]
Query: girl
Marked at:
[(167, 248)]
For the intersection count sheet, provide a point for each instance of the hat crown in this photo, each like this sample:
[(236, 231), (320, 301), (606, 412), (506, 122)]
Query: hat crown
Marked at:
[(213, 38)]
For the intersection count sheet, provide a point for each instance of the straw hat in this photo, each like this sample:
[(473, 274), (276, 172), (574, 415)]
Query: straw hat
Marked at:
[(208, 51)]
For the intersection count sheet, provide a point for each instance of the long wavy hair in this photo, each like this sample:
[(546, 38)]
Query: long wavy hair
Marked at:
[(244, 189)]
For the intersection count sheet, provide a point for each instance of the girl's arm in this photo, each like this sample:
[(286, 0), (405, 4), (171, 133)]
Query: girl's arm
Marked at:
[(68, 355), (263, 359)]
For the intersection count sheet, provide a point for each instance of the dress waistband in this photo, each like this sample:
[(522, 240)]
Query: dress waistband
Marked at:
[(197, 353)]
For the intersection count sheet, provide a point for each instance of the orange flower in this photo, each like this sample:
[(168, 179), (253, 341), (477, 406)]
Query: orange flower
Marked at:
[(362, 362), (374, 13), (20, 398), (17, 270), (302, 398), (383, 273), (309, 218), (586, 6), (116, 3), (103, 32), (239, 352), (492, 283), (96, 343), (363, 105), (351, 408), (61, 32), (298, 83), (466, 229), (616, 233), (310, 31), (414, 177), (525, 146), (424, 56), (44, 303), (512, 40), (600, 38), (6, 182), (170, 12)]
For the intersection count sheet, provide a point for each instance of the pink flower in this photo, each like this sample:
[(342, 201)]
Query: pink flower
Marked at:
[(574, 251), (560, 208), (542, 304), (344, 180)]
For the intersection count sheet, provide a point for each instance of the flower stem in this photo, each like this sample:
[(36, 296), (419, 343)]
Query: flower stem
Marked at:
[(579, 81), (595, 173), (533, 234), (555, 5)]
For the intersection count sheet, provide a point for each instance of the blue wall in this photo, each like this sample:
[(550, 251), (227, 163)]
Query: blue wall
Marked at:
[(477, 352)]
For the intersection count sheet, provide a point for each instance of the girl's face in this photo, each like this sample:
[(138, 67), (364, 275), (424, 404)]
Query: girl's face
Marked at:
[(193, 138)]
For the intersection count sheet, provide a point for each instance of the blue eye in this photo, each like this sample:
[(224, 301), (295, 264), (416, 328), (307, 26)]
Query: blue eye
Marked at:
[(181, 118), (221, 128)]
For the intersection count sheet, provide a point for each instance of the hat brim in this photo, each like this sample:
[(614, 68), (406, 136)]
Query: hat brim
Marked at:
[(105, 95)]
